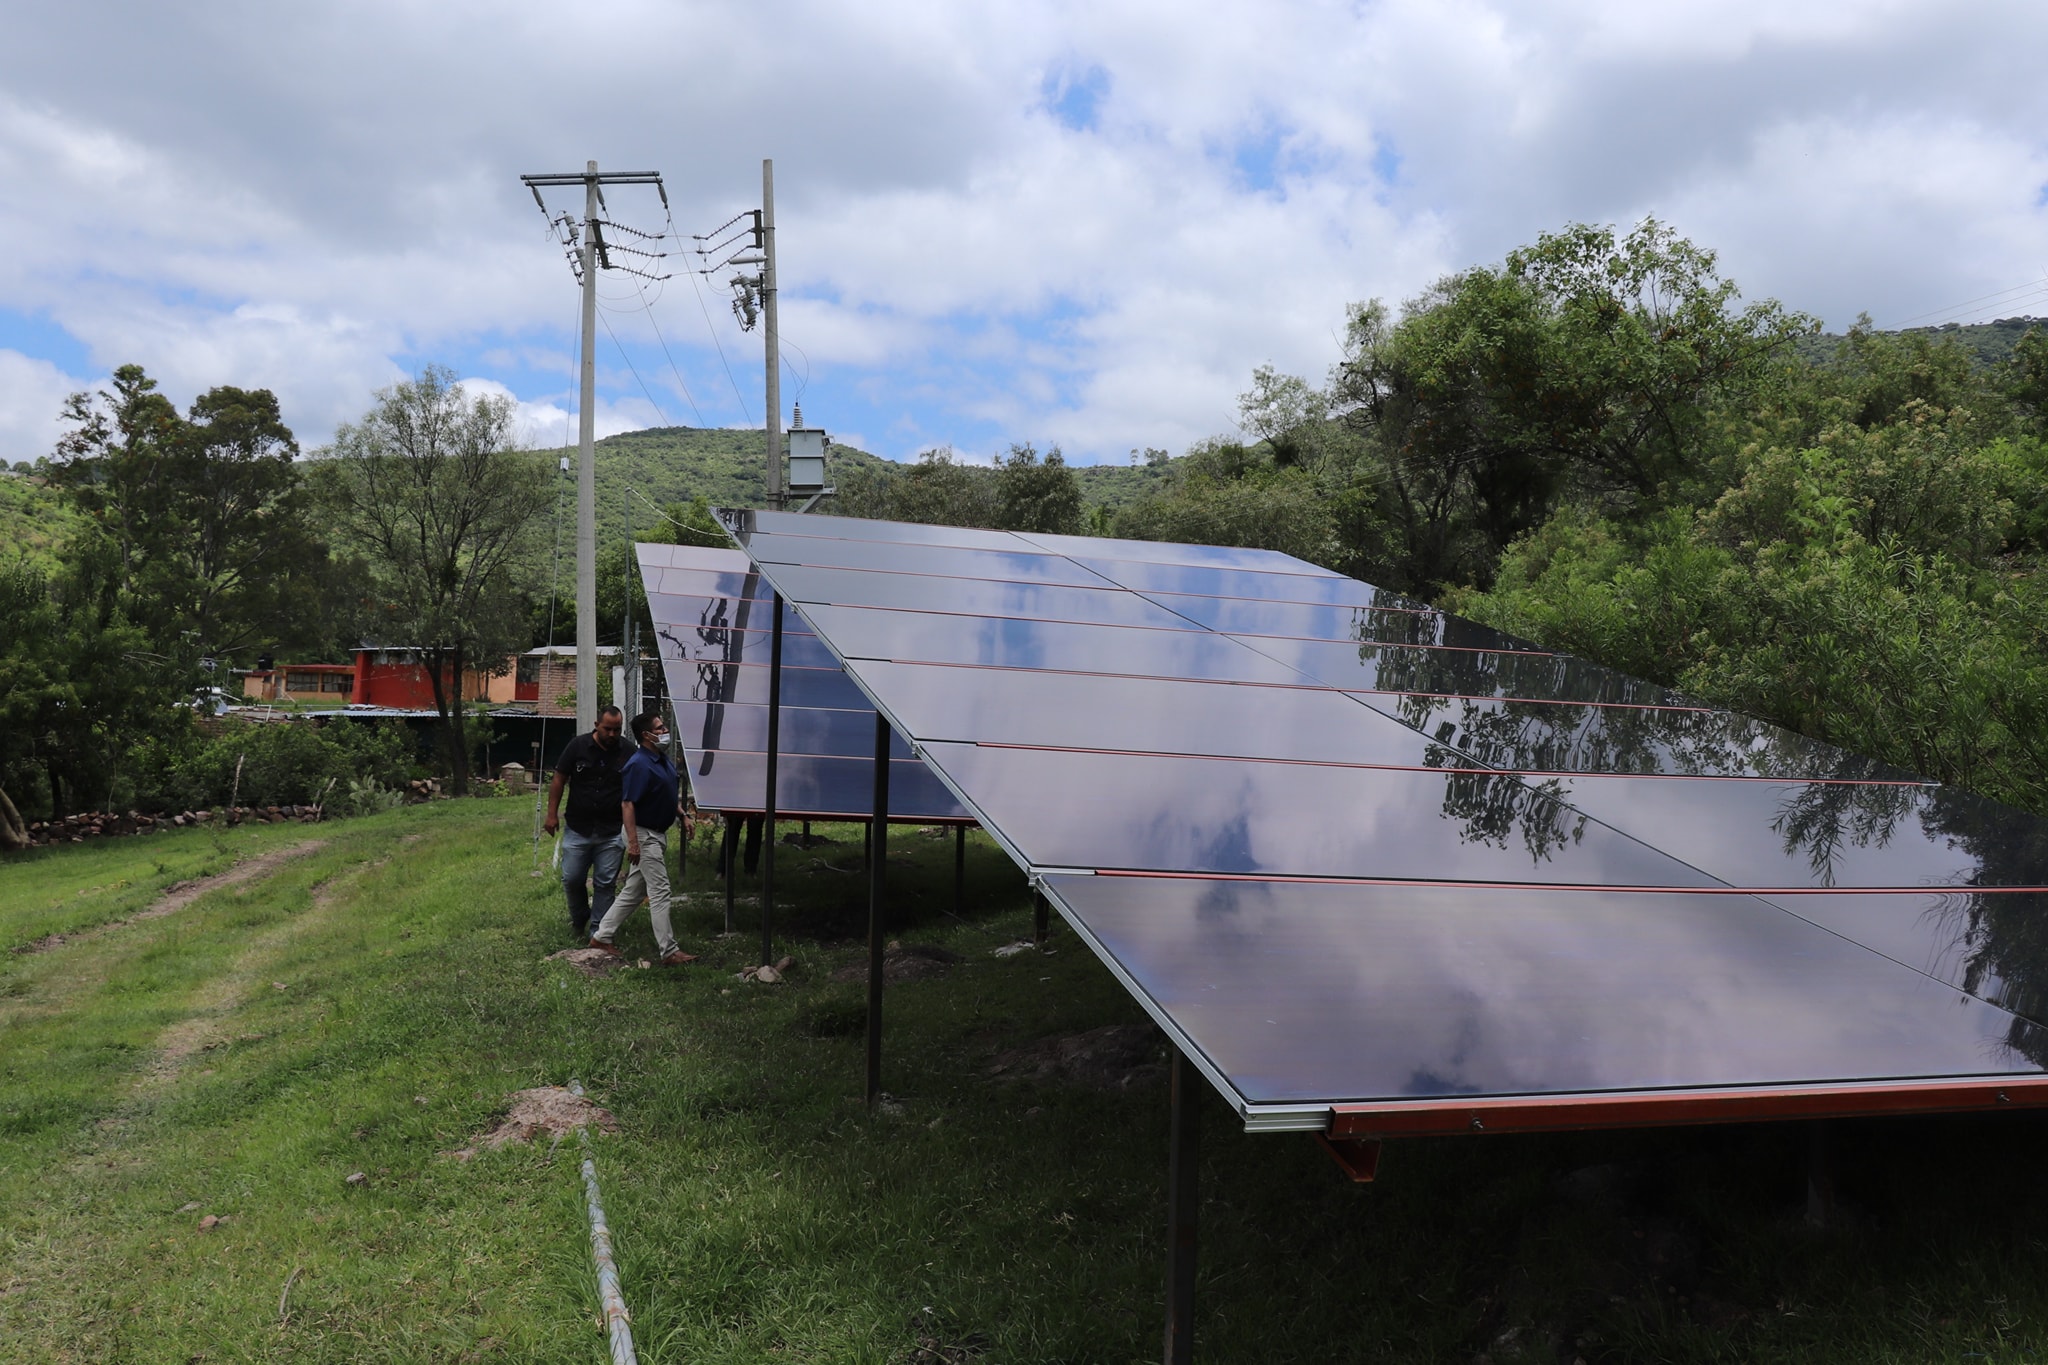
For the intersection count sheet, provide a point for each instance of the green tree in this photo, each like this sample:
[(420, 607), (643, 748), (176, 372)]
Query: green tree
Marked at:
[(2026, 378), (1585, 366), (80, 691), (1225, 493), (216, 551), (1033, 494), (428, 488), (937, 491)]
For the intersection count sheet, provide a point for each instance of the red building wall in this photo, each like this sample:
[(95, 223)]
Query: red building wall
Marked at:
[(401, 685)]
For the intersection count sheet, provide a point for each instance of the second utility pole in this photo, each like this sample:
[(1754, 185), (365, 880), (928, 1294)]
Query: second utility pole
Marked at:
[(774, 395), (586, 474)]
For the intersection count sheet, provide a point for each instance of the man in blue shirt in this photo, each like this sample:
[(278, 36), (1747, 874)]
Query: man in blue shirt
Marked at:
[(648, 808)]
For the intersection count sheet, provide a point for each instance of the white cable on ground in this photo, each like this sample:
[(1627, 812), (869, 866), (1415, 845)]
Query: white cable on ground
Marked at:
[(617, 1319)]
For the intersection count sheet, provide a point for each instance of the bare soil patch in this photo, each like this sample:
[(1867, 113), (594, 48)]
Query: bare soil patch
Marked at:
[(589, 961), (1115, 1057), (908, 962), (182, 894), (550, 1110)]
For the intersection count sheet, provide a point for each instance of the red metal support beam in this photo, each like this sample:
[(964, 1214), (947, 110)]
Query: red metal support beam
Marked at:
[(1564, 1113)]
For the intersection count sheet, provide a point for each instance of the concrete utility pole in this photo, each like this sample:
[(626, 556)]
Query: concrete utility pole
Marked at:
[(591, 257), (773, 403), (586, 472)]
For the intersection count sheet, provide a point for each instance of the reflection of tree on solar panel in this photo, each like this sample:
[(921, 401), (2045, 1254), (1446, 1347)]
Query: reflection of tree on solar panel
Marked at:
[(713, 681), (1822, 818), (2004, 935), (1544, 737), (1490, 807)]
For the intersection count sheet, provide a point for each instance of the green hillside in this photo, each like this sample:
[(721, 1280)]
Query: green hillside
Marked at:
[(1989, 343), (724, 467), (34, 520)]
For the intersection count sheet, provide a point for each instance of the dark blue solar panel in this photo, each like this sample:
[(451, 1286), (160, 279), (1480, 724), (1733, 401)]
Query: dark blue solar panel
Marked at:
[(1167, 552), (812, 787), (1552, 737), (1149, 812), (1015, 642), (696, 581), (1090, 711), (799, 526), (1206, 581), (1821, 834), (715, 646), (826, 687), (1035, 601), (1455, 672), (1985, 943), (1422, 859), (1015, 566), (805, 730), (1300, 992), (1352, 625)]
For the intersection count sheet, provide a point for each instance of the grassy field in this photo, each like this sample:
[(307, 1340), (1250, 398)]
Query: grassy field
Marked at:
[(366, 998)]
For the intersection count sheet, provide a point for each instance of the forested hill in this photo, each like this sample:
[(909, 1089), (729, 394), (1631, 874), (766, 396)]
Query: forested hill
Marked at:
[(723, 465), (1989, 343)]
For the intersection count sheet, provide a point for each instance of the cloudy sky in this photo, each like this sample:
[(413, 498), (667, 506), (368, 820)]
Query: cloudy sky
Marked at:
[(1079, 224)]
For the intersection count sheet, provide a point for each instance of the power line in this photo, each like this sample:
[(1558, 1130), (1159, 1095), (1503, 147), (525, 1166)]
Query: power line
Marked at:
[(2026, 292), (648, 305), (698, 289), (718, 541), (636, 373)]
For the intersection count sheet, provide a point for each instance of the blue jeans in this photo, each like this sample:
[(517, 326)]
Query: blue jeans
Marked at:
[(580, 854)]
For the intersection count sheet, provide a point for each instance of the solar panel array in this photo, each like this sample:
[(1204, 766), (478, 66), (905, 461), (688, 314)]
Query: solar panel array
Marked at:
[(713, 617), (1355, 854)]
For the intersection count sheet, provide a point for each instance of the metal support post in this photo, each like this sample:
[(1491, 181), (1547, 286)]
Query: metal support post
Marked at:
[(730, 846), (1183, 1199), (1041, 926), (878, 871), (768, 813), (959, 868), (1820, 1175)]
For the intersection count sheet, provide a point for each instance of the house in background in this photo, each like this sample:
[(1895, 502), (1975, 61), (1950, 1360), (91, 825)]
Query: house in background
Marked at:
[(545, 678), (393, 678), (333, 684)]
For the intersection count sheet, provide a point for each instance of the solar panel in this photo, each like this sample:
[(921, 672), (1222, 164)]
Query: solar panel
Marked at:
[(713, 618), (1366, 862)]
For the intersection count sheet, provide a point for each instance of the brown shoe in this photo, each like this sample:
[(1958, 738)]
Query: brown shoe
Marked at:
[(604, 947), (678, 958)]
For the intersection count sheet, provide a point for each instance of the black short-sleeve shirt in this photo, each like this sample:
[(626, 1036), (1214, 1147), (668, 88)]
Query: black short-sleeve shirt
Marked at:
[(593, 775)]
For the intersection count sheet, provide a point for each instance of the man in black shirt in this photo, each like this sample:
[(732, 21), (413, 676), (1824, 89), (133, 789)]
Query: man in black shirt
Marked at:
[(589, 767)]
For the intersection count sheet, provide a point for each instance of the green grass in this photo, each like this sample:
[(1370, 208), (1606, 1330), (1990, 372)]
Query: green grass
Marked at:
[(65, 889), (762, 1214)]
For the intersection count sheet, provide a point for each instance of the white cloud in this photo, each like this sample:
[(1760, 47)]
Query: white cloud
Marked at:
[(320, 199), (32, 394)]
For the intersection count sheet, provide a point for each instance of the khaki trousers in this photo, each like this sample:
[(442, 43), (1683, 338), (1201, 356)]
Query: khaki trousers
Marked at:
[(649, 878)]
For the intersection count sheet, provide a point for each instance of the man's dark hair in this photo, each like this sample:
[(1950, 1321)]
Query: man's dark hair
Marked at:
[(604, 711), (643, 723)]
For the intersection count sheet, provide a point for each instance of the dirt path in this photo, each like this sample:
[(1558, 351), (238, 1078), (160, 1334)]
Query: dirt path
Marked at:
[(182, 894)]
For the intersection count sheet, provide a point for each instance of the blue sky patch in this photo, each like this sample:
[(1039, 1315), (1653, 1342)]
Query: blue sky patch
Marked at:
[(33, 334), (1386, 164), (1074, 96)]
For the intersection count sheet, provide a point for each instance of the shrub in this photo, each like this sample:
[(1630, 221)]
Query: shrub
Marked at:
[(288, 763)]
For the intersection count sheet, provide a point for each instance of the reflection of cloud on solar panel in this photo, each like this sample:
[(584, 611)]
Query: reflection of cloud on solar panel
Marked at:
[(1305, 991)]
